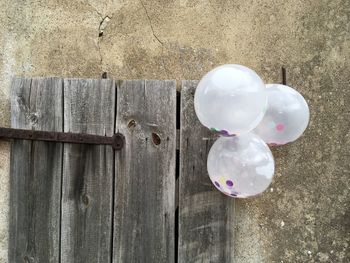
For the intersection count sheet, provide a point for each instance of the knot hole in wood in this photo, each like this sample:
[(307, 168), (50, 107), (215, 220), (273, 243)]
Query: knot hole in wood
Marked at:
[(85, 199), (156, 138), (132, 124)]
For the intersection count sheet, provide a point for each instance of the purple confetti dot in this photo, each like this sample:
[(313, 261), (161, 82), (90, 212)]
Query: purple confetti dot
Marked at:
[(233, 194), (217, 184), (229, 183), (224, 132)]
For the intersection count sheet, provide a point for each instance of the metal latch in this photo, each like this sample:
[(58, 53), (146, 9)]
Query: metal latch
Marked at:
[(116, 141)]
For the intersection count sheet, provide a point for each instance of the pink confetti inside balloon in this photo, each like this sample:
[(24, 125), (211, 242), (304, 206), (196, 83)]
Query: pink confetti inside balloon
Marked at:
[(286, 118), (240, 166)]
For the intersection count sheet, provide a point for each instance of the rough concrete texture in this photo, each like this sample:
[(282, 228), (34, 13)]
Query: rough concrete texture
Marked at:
[(305, 215)]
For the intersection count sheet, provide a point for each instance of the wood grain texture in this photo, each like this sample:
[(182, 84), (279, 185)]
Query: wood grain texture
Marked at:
[(36, 169), (145, 172), (206, 217), (89, 107)]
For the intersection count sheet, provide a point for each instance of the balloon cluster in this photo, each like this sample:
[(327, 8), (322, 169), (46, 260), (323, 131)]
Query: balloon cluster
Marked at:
[(233, 101)]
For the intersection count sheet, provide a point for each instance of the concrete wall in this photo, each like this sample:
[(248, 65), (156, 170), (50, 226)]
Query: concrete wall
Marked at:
[(304, 217)]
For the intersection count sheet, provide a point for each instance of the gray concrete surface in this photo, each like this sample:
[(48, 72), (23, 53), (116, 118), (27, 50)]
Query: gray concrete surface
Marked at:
[(305, 215)]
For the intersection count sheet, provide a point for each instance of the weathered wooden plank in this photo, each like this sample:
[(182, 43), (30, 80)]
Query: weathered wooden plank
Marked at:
[(89, 107), (206, 217), (145, 172), (36, 169)]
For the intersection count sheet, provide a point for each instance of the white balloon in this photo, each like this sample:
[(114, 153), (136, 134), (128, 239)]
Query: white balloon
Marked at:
[(286, 117), (230, 99), (240, 166)]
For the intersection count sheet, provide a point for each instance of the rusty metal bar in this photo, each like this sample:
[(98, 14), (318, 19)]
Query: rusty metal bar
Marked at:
[(116, 141)]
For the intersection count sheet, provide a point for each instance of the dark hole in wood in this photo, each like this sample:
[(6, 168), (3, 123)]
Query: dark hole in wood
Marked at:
[(132, 124), (156, 139), (33, 118), (104, 75), (100, 34)]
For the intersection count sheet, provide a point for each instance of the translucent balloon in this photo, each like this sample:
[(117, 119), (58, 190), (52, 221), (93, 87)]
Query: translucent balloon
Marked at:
[(230, 99), (286, 117), (240, 166)]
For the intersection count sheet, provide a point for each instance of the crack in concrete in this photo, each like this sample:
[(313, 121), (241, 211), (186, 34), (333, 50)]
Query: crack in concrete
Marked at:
[(100, 54), (92, 7), (163, 63), (157, 38), (102, 26), (150, 23)]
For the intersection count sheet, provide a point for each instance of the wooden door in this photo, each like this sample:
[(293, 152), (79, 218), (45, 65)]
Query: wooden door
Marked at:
[(150, 202)]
